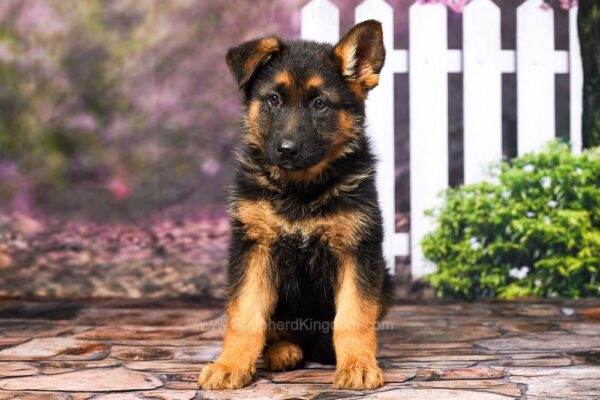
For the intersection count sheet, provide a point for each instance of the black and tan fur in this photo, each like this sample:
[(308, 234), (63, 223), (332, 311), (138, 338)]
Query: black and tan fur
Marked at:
[(306, 227)]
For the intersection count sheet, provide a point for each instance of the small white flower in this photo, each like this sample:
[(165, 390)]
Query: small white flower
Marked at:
[(505, 194), (474, 243), (491, 195), (495, 171), (552, 203), (568, 311), (528, 168), (546, 182), (553, 294), (538, 282), (547, 220), (530, 214), (469, 195), (578, 170), (518, 273)]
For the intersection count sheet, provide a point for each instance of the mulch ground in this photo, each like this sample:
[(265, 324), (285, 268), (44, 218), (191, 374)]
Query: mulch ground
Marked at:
[(58, 259), (167, 257), (153, 349)]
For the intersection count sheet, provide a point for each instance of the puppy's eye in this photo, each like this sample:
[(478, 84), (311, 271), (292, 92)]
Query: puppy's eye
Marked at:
[(273, 100), (319, 104)]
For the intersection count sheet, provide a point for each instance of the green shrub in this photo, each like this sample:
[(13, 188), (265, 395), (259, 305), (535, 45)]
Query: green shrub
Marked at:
[(531, 229)]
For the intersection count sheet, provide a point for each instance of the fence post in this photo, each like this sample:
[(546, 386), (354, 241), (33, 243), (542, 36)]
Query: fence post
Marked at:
[(428, 85), (575, 82), (535, 75), (482, 88), (320, 21), (380, 123)]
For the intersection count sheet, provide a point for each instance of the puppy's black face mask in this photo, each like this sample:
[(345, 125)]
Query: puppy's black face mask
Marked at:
[(304, 101)]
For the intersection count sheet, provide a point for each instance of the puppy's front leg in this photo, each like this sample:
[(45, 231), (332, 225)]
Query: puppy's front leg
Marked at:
[(354, 336), (247, 314)]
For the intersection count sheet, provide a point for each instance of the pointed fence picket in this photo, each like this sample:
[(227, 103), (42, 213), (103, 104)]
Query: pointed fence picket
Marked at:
[(482, 88), (380, 117), (482, 61), (320, 21), (576, 81), (535, 75), (428, 114)]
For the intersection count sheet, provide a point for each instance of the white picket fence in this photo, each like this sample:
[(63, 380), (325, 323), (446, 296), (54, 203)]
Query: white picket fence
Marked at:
[(482, 61)]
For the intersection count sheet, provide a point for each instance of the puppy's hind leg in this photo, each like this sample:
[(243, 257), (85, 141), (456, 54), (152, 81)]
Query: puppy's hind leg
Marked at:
[(283, 355)]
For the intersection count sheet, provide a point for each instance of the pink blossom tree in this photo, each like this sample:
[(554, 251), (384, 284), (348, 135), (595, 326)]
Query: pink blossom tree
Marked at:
[(459, 5)]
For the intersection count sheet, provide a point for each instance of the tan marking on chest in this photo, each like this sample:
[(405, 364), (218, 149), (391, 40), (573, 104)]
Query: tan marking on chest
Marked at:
[(263, 224)]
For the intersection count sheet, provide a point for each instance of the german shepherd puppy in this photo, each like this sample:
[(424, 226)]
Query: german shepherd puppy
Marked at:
[(306, 274)]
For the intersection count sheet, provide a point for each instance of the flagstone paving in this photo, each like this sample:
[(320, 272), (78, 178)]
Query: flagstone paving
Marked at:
[(134, 349)]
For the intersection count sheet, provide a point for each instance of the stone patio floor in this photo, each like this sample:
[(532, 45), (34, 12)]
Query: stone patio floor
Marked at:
[(124, 349)]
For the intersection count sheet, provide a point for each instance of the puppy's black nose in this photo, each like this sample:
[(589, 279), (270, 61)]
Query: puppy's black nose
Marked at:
[(287, 148)]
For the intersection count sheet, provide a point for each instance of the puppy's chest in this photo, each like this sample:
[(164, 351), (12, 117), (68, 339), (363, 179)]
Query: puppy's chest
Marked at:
[(263, 222), (306, 271)]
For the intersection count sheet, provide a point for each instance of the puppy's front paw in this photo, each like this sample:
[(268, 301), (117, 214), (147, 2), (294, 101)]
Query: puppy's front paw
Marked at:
[(220, 376), (282, 355), (358, 375)]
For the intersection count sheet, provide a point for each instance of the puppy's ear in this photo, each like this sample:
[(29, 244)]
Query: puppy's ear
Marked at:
[(361, 55), (245, 59)]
